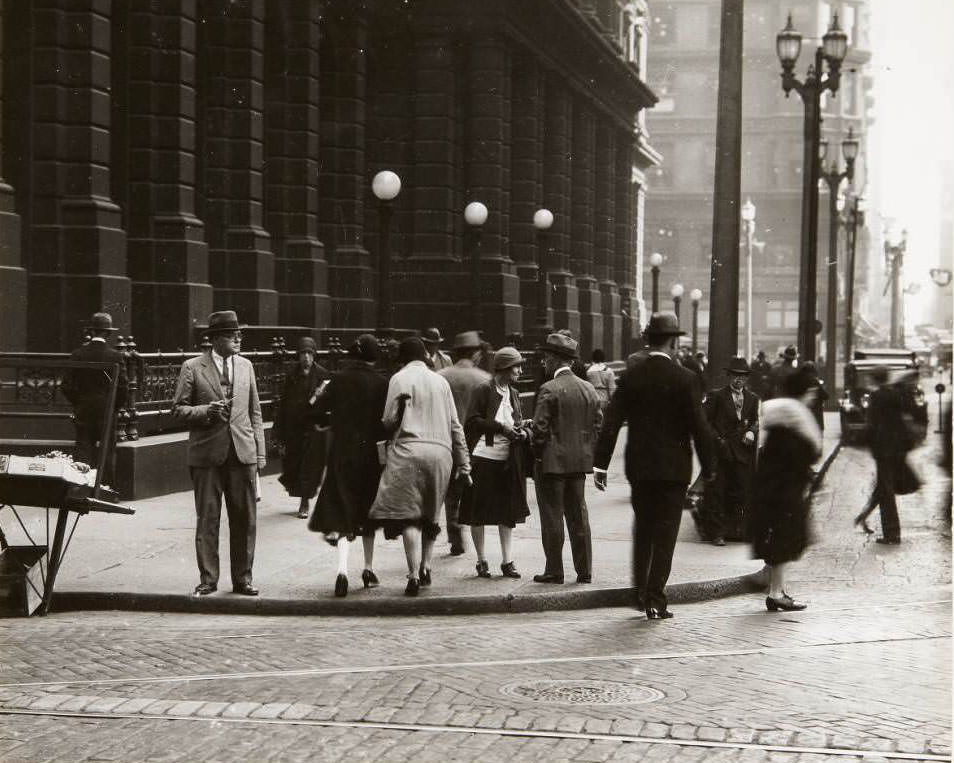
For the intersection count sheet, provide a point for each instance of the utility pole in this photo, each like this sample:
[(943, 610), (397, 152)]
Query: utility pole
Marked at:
[(724, 279)]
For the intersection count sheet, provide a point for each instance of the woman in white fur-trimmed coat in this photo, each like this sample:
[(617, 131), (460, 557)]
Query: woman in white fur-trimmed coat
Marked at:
[(790, 443)]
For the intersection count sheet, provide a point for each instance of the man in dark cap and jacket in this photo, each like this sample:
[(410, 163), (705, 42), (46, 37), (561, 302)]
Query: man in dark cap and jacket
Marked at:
[(659, 401), (733, 415), (88, 391), (782, 369)]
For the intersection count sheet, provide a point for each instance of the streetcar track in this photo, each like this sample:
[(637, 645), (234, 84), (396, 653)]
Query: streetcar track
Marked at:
[(419, 666), (566, 735), (496, 625)]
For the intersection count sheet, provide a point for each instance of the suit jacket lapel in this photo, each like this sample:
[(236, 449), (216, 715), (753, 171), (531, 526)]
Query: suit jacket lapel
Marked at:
[(212, 374)]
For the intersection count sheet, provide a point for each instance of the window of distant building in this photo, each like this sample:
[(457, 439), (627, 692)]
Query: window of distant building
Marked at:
[(848, 18), (849, 93), (662, 27), (781, 314)]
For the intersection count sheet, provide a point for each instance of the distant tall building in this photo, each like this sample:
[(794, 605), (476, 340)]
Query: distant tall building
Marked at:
[(943, 313), (684, 39)]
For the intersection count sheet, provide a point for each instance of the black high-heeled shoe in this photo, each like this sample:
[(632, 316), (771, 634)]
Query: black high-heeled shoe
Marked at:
[(786, 604), (862, 521), (656, 613), (425, 575), (413, 586), (341, 586), (369, 579)]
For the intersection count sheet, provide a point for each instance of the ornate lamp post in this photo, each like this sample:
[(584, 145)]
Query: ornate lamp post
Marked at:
[(542, 221), (655, 260), (475, 214), (385, 186), (854, 218), (748, 218), (788, 44), (894, 263), (833, 177), (695, 296)]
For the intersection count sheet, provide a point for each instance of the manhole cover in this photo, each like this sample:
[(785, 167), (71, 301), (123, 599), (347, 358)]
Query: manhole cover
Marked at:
[(583, 692)]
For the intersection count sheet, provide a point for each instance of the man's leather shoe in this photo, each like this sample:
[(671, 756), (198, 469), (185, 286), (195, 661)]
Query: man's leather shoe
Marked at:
[(245, 589), (719, 541), (584, 579), (653, 613), (204, 589), (547, 578), (888, 541)]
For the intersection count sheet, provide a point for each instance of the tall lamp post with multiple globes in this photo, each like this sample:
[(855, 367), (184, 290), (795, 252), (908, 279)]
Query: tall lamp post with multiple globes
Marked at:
[(834, 47), (833, 177), (655, 260), (385, 186), (695, 296), (475, 215), (748, 217), (542, 221), (854, 219)]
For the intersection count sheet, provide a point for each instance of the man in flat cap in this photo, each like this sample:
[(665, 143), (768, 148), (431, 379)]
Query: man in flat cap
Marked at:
[(88, 391), (218, 398)]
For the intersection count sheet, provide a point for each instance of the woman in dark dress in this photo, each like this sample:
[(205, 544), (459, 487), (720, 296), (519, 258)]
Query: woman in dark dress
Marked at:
[(300, 442), (494, 433), (352, 404), (791, 443)]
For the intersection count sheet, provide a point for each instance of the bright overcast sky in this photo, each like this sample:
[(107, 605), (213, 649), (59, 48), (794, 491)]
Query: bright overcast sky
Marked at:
[(913, 68)]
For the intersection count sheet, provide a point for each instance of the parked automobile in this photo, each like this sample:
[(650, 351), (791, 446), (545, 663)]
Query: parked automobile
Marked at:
[(903, 367)]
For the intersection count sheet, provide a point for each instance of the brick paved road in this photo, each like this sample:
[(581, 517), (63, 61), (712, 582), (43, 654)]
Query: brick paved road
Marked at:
[(866, 669)]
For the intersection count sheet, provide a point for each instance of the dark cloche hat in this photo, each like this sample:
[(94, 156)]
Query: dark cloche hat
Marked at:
[(101, 322), (223, 322), (562, 345), (739, 366), (432, 336), (663, 324), (307, 344)]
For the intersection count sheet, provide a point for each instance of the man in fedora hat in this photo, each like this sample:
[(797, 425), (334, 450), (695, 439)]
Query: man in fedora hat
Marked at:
[(437, 359), (566, 420), (88, 391), (733, 415), (784, 367), (218, 398), (660, 402), (464, 377)]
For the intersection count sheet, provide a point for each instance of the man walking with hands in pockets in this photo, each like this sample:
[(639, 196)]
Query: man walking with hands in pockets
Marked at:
[(218, 398), (660, 402)]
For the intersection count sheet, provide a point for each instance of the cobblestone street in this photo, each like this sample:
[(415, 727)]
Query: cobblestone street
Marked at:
[(863, 672)]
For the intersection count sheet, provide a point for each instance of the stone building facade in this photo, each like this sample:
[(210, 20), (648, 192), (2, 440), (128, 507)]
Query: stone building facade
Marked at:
[(161, 160)]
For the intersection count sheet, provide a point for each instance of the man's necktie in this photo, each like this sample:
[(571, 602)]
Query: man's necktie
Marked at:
[(226, 381)]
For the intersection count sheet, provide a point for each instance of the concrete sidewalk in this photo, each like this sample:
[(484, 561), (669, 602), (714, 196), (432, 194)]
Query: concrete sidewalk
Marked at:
[(147, 562)]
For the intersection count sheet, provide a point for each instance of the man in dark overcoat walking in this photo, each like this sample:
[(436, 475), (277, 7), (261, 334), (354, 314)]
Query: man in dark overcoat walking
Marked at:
[(659, 401), (733, 415), (88, 391)]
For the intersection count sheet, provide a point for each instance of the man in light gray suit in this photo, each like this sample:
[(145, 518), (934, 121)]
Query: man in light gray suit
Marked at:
[(565, 426), (218, 398)]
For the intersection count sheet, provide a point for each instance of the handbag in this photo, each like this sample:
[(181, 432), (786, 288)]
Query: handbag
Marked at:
[(906, 481)]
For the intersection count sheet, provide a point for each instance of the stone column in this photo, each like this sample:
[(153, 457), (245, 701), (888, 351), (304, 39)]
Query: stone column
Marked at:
[(342, 185), (77, 245), (13, 277), (581, 232), (168, 256), (434, 282), (557, 175), (604, 248), (625, 260), (526, 178), (291, 175), (488, 181), (241, 264)]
